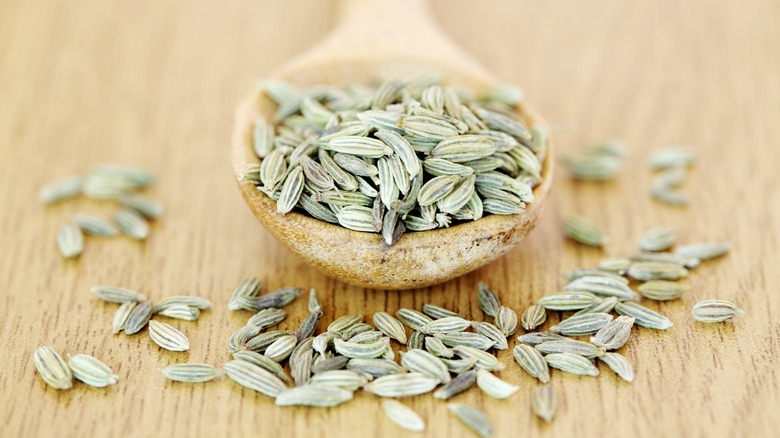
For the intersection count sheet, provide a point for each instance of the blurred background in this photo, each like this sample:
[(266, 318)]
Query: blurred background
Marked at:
[(155, 83)]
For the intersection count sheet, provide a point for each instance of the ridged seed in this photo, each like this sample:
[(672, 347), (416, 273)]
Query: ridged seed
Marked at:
[(532, 361)]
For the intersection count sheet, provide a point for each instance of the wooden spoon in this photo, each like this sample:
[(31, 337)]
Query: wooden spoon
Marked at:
[(391, 38)]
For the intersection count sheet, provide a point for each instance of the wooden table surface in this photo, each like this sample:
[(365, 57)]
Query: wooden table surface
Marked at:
[(154, 83)]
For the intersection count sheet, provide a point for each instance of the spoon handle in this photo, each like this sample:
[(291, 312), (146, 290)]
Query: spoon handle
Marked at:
[(386, 18), (384, 32), (387, 27)]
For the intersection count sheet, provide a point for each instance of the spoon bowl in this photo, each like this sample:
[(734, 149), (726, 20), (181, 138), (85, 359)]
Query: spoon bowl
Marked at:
[(357, 52)]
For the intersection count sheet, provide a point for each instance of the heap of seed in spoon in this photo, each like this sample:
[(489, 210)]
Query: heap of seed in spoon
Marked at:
[(409, 155)]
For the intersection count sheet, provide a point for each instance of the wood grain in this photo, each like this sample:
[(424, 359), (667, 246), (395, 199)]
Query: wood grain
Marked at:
[(155, 83)]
